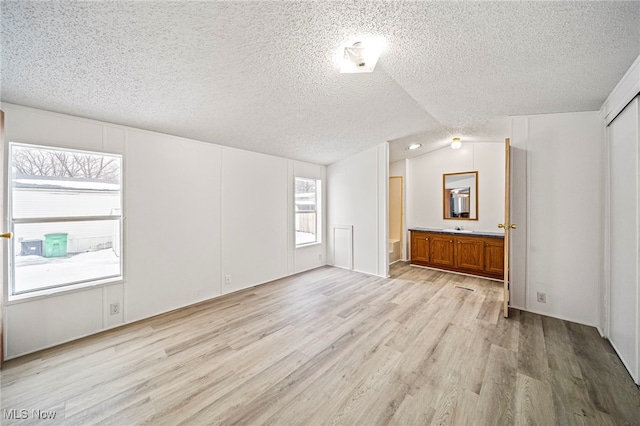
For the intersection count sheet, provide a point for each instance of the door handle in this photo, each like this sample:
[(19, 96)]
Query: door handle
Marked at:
[(502, 225), (6, 235)]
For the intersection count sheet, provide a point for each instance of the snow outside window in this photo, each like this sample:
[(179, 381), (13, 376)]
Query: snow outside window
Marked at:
[(307, 198), (65, 212)]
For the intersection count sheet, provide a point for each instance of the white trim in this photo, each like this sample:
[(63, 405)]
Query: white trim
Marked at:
[(11, 295), (527, 259), (315, 243), (73, 339), (624, 92), (365, 273), (49, 219), (560, 317), (605, 284), (636, 373), (318, 201), (348, 228), (632, 372), (61, 290), (123, 233), (382, 155), (458, 273)]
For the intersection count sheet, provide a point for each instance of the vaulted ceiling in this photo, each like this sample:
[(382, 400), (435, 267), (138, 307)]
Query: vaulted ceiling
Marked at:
[(262, 76)]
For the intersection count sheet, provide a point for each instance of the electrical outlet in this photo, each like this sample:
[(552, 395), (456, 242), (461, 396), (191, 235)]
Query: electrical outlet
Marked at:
[(542, 297), (114, 308), (227, 280)]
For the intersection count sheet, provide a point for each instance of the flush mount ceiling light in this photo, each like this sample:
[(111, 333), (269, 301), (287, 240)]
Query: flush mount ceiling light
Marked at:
[(414, 146), (361, 56), (456, 144)]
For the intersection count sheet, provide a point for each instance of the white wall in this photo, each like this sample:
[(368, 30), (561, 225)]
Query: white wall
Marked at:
[(357, 196), (424, 185), (562, 211), (254, 217), (193, 213), (171, 223), (519, 211)]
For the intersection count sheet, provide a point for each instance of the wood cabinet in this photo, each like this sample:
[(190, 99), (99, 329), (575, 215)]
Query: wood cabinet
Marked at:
[(494, 256), (420, 247), (441, 250), (469, 254)]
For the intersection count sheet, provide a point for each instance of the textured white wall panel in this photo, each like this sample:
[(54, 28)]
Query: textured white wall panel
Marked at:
[(254, 218)]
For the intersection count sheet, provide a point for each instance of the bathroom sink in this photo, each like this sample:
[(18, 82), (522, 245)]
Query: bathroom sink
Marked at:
[(461, 231)]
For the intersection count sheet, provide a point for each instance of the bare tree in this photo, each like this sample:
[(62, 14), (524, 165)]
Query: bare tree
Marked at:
[(50, 163), (305, 185)]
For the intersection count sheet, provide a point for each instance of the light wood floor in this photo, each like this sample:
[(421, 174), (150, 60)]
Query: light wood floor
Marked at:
[(334, 347)]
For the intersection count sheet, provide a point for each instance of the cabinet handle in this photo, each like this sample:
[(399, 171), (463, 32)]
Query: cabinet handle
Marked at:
[(450, 241), (427, 239)]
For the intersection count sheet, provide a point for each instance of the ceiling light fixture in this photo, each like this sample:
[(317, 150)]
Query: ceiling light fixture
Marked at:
[(414, 146), (456, 144), (362, 56)]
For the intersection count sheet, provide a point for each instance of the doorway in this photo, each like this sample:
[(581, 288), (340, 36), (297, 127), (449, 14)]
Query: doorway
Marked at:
[(396, 240)]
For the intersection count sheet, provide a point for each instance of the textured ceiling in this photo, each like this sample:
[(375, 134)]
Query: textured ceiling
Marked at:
[(261, 75)]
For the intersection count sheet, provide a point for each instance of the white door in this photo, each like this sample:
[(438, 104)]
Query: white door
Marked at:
[(2, 243), (624, 292), (507, 225)]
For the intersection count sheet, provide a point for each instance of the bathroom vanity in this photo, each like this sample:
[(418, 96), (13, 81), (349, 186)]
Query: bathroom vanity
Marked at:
[(474, 253)]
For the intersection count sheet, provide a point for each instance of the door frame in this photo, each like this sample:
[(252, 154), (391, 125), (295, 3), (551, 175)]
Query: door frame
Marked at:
[(3, 263), (507, 226), (403, 241)]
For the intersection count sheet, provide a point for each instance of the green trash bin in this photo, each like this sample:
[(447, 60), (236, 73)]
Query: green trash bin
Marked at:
[(55, 245)]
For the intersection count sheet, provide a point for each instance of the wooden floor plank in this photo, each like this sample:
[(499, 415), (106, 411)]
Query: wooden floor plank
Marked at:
[(496, 404), (532, 351), (533, 401)]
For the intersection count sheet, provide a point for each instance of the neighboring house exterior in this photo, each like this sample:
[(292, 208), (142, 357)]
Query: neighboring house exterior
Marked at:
[(64, 198)]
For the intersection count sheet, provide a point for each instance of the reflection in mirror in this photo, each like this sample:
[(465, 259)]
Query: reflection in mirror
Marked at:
[(460, 195)]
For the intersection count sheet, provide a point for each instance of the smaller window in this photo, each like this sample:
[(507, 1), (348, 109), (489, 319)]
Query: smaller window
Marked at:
[(307, 201)]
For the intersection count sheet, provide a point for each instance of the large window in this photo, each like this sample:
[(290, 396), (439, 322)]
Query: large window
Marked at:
[(65, 211), (307, 203)]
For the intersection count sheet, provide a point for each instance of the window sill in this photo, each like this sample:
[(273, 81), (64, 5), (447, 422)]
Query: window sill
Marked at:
[(59, 291), (317, 243)]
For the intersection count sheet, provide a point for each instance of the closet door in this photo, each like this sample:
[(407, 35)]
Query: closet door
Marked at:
[(624, 294)]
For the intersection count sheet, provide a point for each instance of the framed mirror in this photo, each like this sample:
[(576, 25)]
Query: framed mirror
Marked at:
[(460, 195)]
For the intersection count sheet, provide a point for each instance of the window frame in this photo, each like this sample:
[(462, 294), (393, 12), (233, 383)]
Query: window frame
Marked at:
[(316, 211), (11, 222)]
